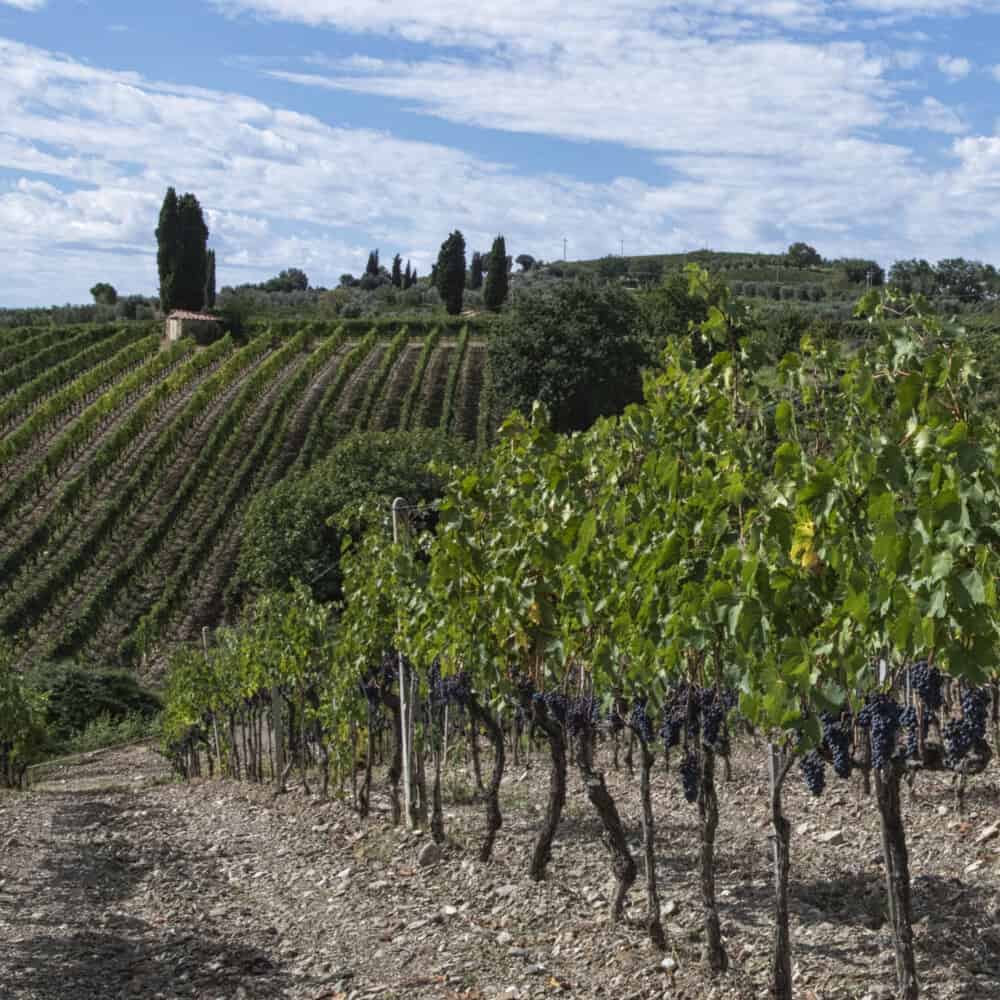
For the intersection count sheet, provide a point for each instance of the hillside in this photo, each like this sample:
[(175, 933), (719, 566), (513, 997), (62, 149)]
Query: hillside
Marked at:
[(127, 462)]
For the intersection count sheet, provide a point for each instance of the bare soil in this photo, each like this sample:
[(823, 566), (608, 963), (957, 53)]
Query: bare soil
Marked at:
[(116, 881)]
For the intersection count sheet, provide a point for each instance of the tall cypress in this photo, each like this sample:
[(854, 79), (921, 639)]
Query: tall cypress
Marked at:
[(397, 271), (210, 280), (189, 278), (495, 290), (167, 249), (476, 271), (372, 266), (450, 276), (407, 276)]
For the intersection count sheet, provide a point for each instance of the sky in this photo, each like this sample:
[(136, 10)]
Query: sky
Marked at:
[(313, 131)]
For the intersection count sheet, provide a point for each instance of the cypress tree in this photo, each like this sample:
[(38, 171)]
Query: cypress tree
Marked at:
[(210, 280), (495, 290), (192, 257), (397, 271), (407, 277), (451, 272), (372, 266), (476, 271), (167, 249)]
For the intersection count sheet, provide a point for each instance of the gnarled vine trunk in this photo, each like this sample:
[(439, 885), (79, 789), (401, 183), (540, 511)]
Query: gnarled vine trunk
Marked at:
[(897, 877), (781, 955), (622, 862), (708, 810), (542, 853), (654, 924), (494, 820)]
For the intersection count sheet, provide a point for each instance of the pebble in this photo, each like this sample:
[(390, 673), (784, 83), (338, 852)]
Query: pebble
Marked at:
[(430, 854)]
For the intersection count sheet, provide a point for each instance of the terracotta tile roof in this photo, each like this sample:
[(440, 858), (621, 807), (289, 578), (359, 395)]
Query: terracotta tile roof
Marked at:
[(184, 314)]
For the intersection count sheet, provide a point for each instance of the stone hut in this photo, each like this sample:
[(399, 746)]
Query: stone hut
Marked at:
[(203, 327)]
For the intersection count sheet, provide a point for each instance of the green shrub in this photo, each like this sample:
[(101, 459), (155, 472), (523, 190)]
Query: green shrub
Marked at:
[(77, 696)]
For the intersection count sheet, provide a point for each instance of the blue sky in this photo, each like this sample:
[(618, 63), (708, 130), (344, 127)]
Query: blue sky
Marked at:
[(315, 130)]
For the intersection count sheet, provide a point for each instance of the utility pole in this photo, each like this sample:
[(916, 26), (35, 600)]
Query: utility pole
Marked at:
[(564, 248), (404, 699), (622, 246)]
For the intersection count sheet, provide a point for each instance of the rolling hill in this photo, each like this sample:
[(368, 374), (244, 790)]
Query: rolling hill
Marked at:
[(126, 461)]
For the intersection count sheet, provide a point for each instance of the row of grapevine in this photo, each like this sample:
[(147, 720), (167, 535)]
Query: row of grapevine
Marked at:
[(33, 343), (41, 387), (63, 348), (234, 484), (69, 400), (217, 452), (320, 435), (447, 418), (94, 419), (373, 390), (260, 466), (413, 392), (92, 505)]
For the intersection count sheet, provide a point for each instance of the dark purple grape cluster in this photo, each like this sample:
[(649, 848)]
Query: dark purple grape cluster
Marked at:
[(713, 714), (880, 715), (910, 724), (639, 721), (837, 737), (582, 715), (671, 729), (926, 681), (813, 769), (457, 688), (557, 704), (961, 735), (975, 702), (690, 776)]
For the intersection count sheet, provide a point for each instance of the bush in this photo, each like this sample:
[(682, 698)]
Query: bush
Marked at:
[(577, 347), (77, 696)]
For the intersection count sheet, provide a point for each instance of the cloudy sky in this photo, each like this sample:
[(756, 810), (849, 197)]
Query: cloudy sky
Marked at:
[(315, 130)]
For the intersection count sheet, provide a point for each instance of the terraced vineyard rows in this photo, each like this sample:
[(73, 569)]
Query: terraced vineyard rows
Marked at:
[(127, 463)]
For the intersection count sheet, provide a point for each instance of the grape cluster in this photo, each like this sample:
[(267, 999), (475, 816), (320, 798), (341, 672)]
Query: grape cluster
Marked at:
[(457, 688), (908, 720), (926, 681), (639, 721), (813, 769), (689, 776), (881, 715), (974, 705), (713, 714), (582, 714), (836, 736), (557, 704), (960, 735), (671, 729)]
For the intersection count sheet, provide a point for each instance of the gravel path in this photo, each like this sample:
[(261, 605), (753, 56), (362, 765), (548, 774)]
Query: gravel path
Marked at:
[(117, 882)]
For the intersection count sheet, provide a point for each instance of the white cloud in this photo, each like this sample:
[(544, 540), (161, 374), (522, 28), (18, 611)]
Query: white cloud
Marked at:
[(762, 143), (933, 116), (25, 4), (955, 67)]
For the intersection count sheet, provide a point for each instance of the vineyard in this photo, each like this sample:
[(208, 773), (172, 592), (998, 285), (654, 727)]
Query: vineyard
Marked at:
[(791, 575), (126, 462)]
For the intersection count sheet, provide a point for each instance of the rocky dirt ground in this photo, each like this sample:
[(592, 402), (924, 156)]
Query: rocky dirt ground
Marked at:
[(116, 881)]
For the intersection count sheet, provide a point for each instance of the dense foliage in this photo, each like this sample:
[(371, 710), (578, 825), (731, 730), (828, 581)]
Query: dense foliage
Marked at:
[(291, 530), (576, 347)]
